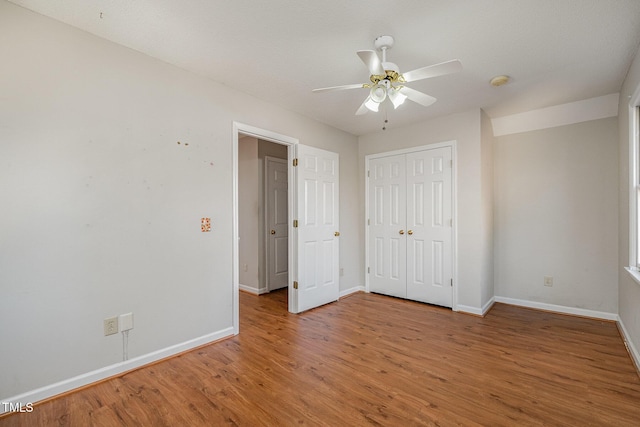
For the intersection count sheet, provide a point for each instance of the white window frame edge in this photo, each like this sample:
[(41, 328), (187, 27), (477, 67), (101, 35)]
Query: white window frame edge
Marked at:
[(634, 102), (454, 208)]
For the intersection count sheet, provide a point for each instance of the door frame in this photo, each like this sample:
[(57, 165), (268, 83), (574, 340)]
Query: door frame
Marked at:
[(290, 142), (454, 208)]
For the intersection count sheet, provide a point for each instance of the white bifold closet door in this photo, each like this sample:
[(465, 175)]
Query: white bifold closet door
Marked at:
[(410, 226)]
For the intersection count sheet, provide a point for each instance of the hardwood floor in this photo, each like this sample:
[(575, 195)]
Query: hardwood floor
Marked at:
[(374, 360)]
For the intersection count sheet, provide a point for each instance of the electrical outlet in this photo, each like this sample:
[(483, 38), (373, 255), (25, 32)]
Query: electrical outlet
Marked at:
[(548, 281), (126, 321), (110, 326)]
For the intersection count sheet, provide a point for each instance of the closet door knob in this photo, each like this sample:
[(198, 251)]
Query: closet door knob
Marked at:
[(401, 231), (273, 231), (410, 232), (337, 233)]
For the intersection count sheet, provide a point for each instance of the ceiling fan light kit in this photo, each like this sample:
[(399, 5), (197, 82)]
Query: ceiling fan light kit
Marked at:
[(371, 105), (396, 97), (388, 83), (378, 92)]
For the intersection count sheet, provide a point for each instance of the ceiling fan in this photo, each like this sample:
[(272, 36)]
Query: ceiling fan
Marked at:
[(388, 82)]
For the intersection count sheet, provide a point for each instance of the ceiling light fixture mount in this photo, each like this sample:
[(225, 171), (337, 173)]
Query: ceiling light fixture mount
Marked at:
[(500, 80)]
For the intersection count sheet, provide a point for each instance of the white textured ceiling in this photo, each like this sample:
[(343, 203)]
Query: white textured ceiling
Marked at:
[(556, 51)]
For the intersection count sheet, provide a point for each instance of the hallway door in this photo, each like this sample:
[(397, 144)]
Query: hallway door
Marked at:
[(277, 223), (317, 210)]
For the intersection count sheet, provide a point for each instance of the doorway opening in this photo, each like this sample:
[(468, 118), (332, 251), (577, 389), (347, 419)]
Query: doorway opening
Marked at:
[(262, 215), (261, 226)]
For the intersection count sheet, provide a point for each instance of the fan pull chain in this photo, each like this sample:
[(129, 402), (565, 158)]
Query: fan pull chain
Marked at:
[(384, 126)]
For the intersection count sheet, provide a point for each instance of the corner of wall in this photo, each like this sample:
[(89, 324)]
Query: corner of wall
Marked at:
[(486, 173)]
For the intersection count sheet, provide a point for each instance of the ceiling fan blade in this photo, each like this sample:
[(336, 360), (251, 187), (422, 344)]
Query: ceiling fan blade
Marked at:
[(334, 88), (371, 60), (418, 97), (436, 70), (363, 108)]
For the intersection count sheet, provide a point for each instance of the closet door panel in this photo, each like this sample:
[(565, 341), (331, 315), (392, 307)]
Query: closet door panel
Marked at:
[(387, 238), (429, 230)]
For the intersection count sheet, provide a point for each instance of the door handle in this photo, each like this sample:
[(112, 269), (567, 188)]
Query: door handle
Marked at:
[(273, 231), (410, 232), (401, 231), (337, 233)]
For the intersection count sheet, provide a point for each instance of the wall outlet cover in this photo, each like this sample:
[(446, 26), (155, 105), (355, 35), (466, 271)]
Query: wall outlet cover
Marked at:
[(110, 326)]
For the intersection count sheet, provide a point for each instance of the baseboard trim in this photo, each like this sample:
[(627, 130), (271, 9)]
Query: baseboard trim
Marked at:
[(350, 291), (488, 306), (476, 311), (469, 310), (559, 308), (114, 370), (252, 290), (633, 351)]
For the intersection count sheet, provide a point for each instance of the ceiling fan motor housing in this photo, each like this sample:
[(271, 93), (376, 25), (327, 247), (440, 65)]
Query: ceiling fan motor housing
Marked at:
[(390, 66)]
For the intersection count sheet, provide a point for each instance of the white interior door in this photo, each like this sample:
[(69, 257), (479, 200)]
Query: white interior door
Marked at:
[(429, 234), (276, 221), (410, 226), (387, 222), (317, 187)]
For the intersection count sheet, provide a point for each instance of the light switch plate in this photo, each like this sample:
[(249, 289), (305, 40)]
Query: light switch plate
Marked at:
[(126, 321)]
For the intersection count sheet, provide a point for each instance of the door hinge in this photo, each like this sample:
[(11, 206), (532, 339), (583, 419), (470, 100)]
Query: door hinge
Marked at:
[(295, 223), (451, 163), (451, 283), (451, 223), (369, 221), (295, 162), (368, 174), (295, 285), (368, 269)]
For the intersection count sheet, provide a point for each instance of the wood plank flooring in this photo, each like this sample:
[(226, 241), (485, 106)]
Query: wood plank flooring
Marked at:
[(371, 360)]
